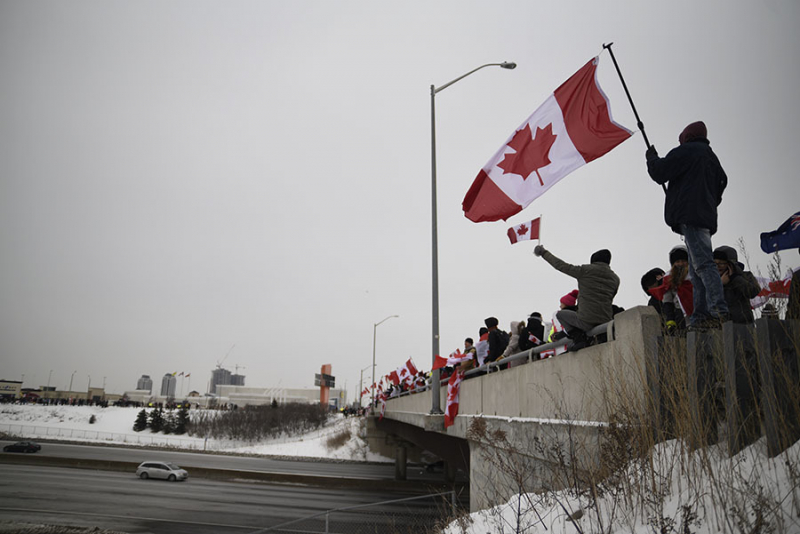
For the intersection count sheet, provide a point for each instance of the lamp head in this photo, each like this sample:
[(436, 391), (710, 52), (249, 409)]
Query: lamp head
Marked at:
[(508, 65)]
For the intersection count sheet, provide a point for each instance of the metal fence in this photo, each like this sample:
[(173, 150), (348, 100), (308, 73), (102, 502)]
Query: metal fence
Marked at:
[(417, 515), (93, 436)]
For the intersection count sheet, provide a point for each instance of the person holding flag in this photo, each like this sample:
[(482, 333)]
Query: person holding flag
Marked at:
[(695, 182), (597, 287)]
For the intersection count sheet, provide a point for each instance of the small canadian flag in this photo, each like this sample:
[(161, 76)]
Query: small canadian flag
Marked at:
[(525, 231)]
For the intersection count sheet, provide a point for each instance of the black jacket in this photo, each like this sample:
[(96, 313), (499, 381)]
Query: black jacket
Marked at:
[(742, 287), (695, 181)]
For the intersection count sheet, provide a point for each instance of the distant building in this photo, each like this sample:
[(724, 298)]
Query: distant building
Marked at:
[(168, 385), (145, 383), (223, 377)]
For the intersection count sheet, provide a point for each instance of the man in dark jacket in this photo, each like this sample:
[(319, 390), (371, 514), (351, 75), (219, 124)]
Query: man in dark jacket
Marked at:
[(739, 286), (695, 183), (597, 286), (498, 339)]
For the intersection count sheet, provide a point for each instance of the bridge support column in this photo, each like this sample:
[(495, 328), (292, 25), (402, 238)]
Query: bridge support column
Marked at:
[(400, 464)]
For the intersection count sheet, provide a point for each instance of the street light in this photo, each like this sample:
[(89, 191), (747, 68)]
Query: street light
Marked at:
[(70, 380), (361, 386), (374, 332), (435, 404)]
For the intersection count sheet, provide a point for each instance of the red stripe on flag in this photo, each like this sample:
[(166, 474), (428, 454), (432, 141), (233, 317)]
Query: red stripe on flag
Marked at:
[(586, 114), (512, 235), (484, 197)]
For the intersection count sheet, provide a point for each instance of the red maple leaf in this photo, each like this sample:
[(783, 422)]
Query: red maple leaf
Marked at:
[(531, 152), (522, 230)]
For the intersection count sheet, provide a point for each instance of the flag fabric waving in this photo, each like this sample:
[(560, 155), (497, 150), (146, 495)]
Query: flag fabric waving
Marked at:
[(785, 237), (453, 387), (453, 360), (771, 289), (525, 231), (407, 372), (571, 128)]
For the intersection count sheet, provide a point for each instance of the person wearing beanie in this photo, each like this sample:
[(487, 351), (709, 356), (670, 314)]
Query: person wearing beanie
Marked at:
[(533, 334), (652, 279), (676, 292), (570, 300), (695, 181), (597, 286), (739, 286), (498, 340)]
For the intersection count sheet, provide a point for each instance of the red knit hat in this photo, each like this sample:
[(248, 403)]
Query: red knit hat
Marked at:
[(570, 299), (693, 131)]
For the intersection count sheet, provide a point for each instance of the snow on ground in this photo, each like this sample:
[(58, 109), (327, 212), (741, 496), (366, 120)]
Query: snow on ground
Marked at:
[(115, 425), (716, 490)]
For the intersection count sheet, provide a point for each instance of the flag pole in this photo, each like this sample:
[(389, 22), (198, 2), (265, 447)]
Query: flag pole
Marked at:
[(639, 123)]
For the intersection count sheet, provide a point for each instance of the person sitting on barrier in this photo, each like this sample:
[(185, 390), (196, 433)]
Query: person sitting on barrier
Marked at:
[(469, 350), (517, 331), (498, 340), (738, 285), (482, 348), (567, 302), (597, 285), (651, 280), (676, 292)]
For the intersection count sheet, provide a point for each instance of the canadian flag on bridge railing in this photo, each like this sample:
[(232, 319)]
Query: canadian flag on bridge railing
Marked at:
[(454, 359), (453, 387), (407, 372)]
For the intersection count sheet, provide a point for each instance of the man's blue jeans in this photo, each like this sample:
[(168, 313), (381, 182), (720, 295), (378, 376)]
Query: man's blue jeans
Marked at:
[(708, 296)]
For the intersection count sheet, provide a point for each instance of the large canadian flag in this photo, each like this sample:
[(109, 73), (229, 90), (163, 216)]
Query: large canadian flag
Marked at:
[(572, 128), (453, 387)]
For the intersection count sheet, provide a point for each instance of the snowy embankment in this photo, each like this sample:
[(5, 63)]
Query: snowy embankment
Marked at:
[(673, 491), (114, 425)]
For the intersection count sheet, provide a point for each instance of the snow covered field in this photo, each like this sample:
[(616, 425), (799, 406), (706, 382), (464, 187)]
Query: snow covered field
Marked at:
[(115, 425)]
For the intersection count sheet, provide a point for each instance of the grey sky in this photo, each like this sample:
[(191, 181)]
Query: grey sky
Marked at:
[(179, 177)]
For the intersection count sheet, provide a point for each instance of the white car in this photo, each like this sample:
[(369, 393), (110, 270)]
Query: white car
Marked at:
[(165, 470)]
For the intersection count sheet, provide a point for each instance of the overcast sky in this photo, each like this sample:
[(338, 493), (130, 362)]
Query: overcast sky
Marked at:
[(179, 178)]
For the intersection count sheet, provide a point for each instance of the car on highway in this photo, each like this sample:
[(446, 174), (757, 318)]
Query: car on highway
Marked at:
[(23, 446), (163, 470)]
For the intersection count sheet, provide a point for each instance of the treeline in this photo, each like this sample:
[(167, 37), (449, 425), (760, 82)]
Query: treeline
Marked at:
[(169, 422), (253, 423)]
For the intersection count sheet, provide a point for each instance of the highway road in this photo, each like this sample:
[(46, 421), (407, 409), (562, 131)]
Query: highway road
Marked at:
[(303, 466), (122, 502)]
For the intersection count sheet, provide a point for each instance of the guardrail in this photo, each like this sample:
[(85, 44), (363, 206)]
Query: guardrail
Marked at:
[(79, 434)]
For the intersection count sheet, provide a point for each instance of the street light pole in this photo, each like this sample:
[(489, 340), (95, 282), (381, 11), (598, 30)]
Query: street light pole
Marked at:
[(374, 336), (435, 403), (70, 381), (361, 386)]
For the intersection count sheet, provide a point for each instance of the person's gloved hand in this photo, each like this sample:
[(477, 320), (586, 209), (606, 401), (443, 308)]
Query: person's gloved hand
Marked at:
[(651, 153), (671, 327), (538, 250)]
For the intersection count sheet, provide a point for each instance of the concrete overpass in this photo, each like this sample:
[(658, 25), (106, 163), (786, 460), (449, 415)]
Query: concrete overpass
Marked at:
[(525, 427)]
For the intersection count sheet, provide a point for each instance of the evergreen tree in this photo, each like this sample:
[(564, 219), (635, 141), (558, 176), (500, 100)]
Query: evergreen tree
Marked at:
[(170, 422), (141, 421), (274, 403), (182, 424), (157, 420)]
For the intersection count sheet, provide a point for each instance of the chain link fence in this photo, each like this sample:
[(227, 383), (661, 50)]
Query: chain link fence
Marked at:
[(417, 515)]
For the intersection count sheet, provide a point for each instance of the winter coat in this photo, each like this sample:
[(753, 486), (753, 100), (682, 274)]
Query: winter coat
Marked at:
[(793, 307), (675, 302), (597, 286), (741, 287), (498, 341), (513, 342), (695, 181)]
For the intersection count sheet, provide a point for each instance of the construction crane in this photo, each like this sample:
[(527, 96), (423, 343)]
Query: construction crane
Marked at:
[(220, 362)]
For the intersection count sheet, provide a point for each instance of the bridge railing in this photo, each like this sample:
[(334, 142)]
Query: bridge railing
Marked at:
[(526, 356)]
